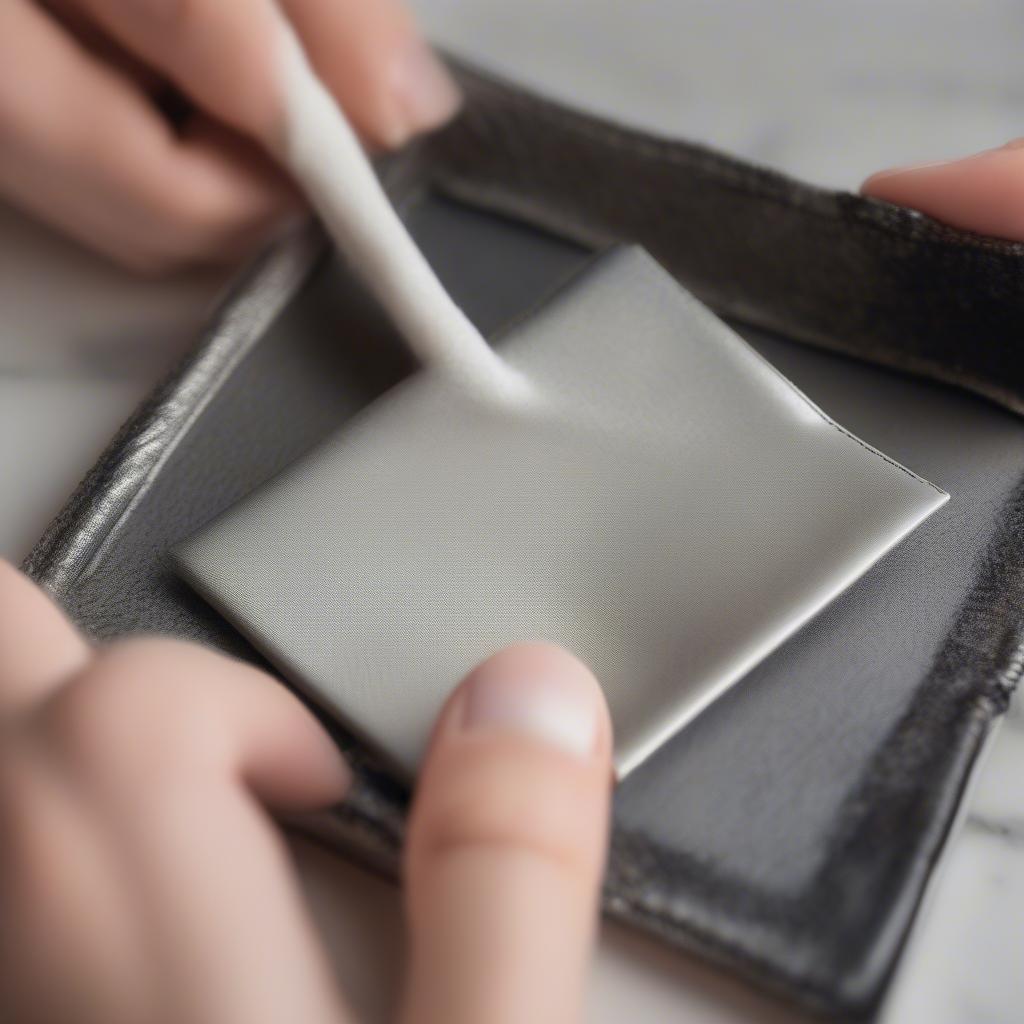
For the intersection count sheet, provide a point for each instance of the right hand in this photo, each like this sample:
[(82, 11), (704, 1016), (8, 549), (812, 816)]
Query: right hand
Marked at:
[(84, 144)]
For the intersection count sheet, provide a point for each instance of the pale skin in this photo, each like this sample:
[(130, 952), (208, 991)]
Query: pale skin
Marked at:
[(84, 146), (142, 875), (143, 878)]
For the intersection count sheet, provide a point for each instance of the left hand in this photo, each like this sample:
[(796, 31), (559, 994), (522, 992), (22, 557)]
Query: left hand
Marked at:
[(142, 878)]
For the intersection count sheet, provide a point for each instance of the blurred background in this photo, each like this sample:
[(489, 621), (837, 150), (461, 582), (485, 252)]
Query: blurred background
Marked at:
[(828, 90)]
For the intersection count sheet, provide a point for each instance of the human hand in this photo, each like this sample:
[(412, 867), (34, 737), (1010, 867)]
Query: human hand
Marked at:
[(84, 144), (982, 193), (143, 880)]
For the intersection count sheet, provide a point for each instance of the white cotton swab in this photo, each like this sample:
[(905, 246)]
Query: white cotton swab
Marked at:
[(321, 150)]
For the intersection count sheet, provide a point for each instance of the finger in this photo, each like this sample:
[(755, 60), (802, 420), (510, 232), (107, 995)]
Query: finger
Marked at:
[(82, 148), (223, 55), (39, 647), (102, 46), (982, 193), (374, 61), (507, 842), (167, 745), (152, 700), (219, 53), (68, 938)]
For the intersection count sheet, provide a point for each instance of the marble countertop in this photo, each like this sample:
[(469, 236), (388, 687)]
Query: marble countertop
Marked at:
[(828, 92)]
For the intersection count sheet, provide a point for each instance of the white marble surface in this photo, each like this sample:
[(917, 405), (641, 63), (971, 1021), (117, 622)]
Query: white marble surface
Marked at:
[(822, 89)]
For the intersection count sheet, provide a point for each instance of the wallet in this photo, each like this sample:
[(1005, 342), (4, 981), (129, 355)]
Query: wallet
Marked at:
[(788, 833)]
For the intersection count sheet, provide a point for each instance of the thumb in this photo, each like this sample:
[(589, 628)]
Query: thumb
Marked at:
[(982, 193), (507, 844)]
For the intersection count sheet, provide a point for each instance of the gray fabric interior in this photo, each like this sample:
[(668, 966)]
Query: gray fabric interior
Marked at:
[(667, 506)]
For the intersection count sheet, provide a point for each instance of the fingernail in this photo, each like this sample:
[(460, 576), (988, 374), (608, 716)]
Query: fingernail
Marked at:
[(536, 693), (424, 91)]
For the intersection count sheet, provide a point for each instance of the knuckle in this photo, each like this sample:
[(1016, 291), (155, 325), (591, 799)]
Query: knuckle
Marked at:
[(532, 810), (197, 227), (133, 713), (28, 122)]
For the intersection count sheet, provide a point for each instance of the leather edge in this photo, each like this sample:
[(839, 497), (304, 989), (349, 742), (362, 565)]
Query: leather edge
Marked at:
[(831, 269), (134, 454)]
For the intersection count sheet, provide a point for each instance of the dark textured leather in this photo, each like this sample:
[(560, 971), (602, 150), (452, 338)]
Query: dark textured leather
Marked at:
[(789, 831), (831, 269)]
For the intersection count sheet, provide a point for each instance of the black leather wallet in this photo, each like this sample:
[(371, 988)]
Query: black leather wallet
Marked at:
[(789, 831)]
